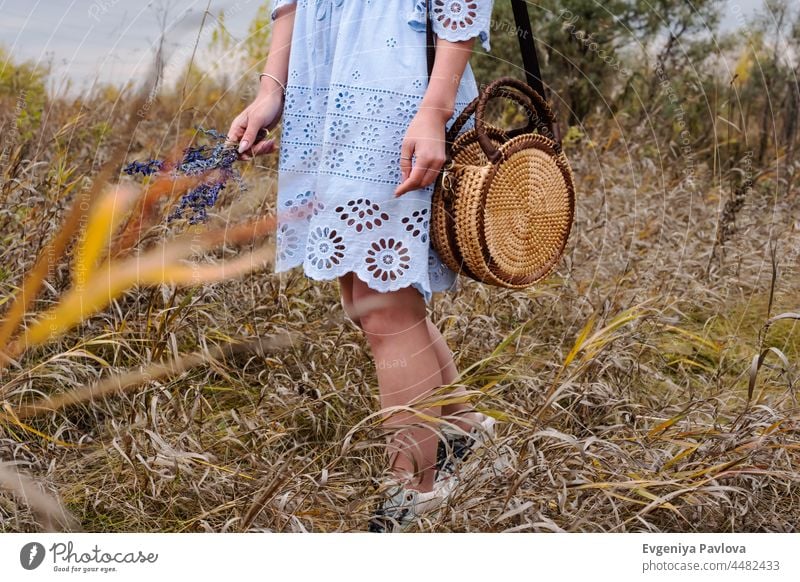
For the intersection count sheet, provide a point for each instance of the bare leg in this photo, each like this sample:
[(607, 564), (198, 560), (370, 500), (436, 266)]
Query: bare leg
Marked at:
[(408, 370), (457, 412), (460, 414), (346, 292)]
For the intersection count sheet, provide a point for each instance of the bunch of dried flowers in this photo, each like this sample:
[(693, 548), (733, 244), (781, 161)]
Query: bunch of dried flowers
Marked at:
[(217, 157)]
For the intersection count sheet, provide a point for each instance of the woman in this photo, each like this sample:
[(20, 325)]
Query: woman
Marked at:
[(362, 143)]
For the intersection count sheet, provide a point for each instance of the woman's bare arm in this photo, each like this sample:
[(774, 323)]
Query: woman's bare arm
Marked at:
[(265, 110), (426, 132)]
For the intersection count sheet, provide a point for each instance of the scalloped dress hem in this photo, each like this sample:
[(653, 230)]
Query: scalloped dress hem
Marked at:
[(426, 291)]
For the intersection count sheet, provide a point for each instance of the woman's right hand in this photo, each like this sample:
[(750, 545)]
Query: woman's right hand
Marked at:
[(264, 112)]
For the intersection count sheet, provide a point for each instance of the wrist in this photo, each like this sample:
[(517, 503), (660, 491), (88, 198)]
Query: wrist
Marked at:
[(270, 93), (270, 86), (440, 109)]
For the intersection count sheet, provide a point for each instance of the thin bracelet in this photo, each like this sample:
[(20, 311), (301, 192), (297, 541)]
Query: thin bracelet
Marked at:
[(262, 75)]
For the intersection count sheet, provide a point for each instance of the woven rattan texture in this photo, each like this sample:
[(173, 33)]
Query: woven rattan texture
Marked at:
[(505, 222)]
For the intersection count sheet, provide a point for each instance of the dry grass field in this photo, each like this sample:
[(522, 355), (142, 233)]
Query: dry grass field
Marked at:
[(629, 383)]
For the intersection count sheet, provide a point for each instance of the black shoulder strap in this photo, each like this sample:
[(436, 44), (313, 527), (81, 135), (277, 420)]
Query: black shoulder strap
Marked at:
[(527, 46)]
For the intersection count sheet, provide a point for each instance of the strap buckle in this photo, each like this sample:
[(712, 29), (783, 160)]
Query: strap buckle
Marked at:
[(448, 182)]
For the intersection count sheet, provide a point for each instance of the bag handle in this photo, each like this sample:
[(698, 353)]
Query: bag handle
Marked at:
[(527, 46), (541, 116), (519, 97)]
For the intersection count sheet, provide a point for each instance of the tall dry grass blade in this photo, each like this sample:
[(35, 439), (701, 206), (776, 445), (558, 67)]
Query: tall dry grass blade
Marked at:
[(161, 265), (579, 341), (49, 511), (773, 255), (694, 337), (12, 419), (125, 382), (661, 427), (105, 217), (55, 248), (604, 336), (222, 271), (497, 351), (267, 492), (590, 347), (758, 361), (788, 315)]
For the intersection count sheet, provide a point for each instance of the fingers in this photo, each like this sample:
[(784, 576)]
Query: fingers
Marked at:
[(406, 151), (432, 171), (423, 173), (249, 136), (259, 149), (238, 127), (263, 147)]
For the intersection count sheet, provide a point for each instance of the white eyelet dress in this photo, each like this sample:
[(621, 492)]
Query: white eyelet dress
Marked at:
[(357, 74)]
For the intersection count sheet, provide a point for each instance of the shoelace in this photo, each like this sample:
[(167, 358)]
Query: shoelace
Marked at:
[(385, 517), (460, 447)]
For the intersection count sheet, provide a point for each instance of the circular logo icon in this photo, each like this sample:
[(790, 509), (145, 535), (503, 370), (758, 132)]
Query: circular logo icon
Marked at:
[(31, 555)]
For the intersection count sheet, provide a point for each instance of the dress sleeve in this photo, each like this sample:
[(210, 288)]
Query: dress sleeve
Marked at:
[(276, 4), (454, 20)]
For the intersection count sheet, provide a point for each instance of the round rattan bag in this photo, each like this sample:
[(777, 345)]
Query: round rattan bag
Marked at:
[(503, 206)]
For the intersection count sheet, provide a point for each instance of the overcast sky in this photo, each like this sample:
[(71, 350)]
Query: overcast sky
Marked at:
[(113, 40)]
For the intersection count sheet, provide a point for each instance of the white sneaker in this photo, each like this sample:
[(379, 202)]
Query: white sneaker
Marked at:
[(402, 505), (459, 445)]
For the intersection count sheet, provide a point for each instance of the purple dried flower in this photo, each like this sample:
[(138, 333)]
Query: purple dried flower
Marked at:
[(198, 160), (144, 168)]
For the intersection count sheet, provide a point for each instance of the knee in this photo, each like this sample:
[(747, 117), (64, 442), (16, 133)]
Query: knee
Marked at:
[(378, 323), (390, 318)]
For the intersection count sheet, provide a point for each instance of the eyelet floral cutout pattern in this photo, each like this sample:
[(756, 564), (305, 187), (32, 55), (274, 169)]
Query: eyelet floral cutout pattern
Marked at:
[(357, 76), (388, 259), (417, 224), (288, 243), (344, 101), (362, 214), (339, 130), (455, 14), (455, 20), (334, 159), (439, 273), (302, 206), (358, 136), (325, 248), (374, 105), (406, 110), (309, 157), (365, 164)]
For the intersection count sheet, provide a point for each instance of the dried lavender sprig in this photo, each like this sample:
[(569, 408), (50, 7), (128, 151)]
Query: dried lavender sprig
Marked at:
[(144, 168), (198, 160)]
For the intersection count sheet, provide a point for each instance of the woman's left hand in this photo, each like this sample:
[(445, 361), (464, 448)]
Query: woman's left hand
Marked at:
[(424, 139)]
